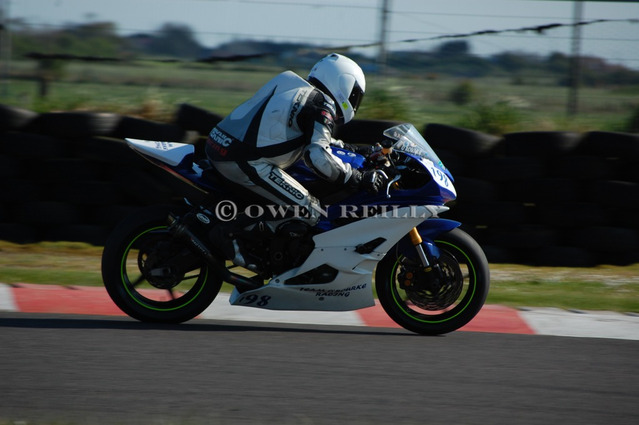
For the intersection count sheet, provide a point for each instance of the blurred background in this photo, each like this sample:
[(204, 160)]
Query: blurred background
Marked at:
[(495, 66), (528, 102)]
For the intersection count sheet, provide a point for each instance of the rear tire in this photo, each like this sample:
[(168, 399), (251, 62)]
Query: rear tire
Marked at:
[(153, 276), (462, 293)]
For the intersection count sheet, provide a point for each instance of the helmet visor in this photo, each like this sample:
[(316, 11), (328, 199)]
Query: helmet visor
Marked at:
[(356, 96)]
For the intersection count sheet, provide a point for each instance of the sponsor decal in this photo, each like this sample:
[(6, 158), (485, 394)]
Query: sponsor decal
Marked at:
[(320, 292), (220, 138), (222, 151), (345, 153), (165, 146), (203, 218), (295, 109), (286, 186), (219, 141)]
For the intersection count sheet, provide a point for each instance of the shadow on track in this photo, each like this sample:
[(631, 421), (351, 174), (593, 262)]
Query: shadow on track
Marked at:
[(52, 321)]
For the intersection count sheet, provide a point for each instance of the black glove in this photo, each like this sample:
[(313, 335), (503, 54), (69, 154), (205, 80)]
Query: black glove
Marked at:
[(373, 181)]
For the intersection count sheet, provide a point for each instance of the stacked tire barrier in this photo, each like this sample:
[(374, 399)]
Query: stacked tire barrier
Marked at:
[(70, 175), (541, 198), (545, 198)]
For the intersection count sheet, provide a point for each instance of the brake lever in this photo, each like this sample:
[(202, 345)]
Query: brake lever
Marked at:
[(390, 183)]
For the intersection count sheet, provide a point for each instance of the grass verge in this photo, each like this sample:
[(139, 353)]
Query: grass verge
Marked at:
[(610, 288)]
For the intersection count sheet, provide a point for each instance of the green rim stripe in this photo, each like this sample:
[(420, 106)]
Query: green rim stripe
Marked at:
[(409, 313), (126, 287)]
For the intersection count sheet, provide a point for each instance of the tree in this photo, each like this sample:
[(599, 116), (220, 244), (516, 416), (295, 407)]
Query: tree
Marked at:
[(452, 49), (514, 62), (558, 62), (175, 40)]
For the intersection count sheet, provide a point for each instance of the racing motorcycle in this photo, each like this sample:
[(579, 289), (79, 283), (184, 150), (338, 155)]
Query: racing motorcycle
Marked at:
[(164, 263)]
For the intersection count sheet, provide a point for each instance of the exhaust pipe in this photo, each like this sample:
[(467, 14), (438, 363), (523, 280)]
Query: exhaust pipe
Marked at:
[(242, 283)]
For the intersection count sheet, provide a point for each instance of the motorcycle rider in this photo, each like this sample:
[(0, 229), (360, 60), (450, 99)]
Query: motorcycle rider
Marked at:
[(287, 119)]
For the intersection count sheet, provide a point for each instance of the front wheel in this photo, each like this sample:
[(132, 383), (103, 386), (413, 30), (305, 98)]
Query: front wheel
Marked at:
[(153, 276), (435, 300)]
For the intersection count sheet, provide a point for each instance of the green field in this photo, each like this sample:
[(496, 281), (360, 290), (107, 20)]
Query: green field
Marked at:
[(533, 103)]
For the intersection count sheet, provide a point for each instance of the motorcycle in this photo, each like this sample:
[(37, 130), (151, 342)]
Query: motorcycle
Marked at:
[(164, 263)]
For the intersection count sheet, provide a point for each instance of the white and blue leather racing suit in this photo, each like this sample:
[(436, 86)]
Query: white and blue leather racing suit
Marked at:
[(287, 119)]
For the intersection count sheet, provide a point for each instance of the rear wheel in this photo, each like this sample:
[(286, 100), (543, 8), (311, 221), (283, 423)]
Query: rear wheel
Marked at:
[(153, 276), (437, 300)]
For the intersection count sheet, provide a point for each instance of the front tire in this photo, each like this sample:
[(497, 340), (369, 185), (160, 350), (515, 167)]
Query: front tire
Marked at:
[(153, 276), (421, 304)]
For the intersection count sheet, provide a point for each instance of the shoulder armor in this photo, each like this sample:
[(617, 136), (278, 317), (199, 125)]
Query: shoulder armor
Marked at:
[(325, 112)]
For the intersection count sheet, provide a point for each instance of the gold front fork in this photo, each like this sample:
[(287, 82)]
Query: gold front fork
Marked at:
[(416, 239)]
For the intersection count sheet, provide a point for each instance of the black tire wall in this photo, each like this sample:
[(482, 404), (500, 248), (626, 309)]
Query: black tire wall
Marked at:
[(546, 198), (540, 198)]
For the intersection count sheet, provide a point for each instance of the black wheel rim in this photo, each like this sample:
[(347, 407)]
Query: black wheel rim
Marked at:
[(159, 288), (464, 294)]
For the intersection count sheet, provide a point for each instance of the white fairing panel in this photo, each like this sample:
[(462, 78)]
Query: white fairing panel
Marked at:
[(351, 289), (171, 153)]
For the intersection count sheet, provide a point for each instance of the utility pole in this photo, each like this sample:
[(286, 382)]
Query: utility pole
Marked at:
[(383, 31), (5, 47), (575, 61)]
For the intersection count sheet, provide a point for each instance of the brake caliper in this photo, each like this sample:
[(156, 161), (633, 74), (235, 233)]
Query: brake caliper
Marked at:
[(430, 288)]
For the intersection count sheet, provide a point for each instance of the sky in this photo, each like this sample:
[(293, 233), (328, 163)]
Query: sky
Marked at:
[(354, 22)]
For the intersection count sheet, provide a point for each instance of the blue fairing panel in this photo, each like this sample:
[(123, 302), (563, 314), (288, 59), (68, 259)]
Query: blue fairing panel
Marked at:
[(300, 172), (354, 159)]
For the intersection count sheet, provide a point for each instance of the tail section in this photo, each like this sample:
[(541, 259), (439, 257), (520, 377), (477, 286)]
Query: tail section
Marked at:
[(170, 153)]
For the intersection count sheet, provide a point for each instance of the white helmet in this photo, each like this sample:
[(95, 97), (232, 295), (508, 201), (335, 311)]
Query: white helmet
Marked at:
[(343, 80)]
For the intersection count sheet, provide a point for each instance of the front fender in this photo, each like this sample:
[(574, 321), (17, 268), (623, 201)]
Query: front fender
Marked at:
[(431, 228), (428, 230)]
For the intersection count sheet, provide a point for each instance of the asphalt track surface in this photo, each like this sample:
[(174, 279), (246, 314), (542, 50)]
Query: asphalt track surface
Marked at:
[(76, 369)]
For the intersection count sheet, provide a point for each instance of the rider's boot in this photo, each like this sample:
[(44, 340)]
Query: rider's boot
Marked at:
[(233, 237), (224, 236)]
